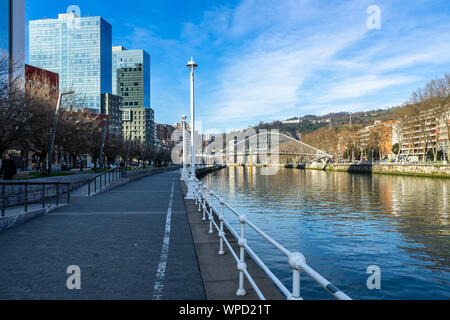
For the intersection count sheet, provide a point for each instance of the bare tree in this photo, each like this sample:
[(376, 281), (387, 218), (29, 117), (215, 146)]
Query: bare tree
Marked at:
[(13, 109)]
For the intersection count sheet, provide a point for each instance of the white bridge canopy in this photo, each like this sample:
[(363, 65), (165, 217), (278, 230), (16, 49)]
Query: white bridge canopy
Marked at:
[(267, 147)]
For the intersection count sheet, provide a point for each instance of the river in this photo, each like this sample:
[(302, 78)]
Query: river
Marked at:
[(343, 223)]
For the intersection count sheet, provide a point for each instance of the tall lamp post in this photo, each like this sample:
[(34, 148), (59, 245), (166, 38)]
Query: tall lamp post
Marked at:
[(129, 147), (183, 121), (53, 131), (191, 184)]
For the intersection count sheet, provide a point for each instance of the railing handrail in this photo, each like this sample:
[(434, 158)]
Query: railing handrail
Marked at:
[(14, 183), (44, 195), (105, 173), (296, 260)]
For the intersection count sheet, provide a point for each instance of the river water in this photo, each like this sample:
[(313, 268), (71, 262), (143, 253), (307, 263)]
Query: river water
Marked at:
[(343, 223)]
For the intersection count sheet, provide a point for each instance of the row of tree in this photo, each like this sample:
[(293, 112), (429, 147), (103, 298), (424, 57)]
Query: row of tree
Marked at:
[(417, 126), (27, 113)]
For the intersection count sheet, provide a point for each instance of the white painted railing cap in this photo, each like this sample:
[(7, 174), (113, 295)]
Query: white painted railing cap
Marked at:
[(297, 260), (243, 218)]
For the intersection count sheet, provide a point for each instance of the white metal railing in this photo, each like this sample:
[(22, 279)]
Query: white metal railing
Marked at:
[(204, 199)]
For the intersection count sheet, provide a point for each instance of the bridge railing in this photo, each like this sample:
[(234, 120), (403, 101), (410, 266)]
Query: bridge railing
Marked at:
[(213, 208)]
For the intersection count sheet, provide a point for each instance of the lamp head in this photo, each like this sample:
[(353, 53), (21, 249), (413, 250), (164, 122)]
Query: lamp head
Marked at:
[(191, 64), (184, 118)]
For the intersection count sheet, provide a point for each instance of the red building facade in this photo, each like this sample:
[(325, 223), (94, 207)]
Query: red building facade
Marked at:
[(32, 72)]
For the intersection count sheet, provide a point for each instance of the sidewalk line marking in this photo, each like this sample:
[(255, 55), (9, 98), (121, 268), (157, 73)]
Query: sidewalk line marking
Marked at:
[(161, 271)]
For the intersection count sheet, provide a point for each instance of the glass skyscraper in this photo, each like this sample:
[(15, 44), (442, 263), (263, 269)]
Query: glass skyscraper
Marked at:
[(79, 50), (4, 27), (12, 30), (126, 59), (131, 81)]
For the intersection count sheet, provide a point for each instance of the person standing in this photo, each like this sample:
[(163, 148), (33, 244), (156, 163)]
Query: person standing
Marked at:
[(8, 169), (34, 164)]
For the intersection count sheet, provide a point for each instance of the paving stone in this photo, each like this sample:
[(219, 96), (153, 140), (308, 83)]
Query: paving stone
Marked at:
[(115, 238)]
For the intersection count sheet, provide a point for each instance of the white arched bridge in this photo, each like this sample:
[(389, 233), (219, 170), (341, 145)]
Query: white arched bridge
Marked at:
[(259, 148)]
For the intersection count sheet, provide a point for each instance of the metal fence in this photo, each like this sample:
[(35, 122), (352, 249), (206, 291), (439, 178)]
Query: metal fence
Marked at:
[(101, 181), (14, 194), (207, 201)]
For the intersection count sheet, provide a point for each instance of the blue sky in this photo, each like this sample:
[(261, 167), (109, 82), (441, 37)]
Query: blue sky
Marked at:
[(271, 60)]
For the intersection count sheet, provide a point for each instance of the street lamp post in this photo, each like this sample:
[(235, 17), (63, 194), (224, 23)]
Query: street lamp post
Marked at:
[(129, 147), (102, 144), (191, 184), (53, 131), (183, 121)]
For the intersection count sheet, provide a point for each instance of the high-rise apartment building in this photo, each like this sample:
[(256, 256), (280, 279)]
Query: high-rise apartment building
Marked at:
[(131, 81), (112, 107), (12, 30), (123, 58), (138, 124), (79, 50)]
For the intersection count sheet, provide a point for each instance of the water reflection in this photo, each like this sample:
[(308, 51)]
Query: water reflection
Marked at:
[(346, 222)]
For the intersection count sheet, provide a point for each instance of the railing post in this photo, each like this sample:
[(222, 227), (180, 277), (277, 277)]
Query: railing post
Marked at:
[(296, 260), (26, 198), (89, 188), (204, 206), (241, 265), (3, 200), (199, 196), (221, 232), (43, 196), (196, 194), (211, 217), (100, 183)]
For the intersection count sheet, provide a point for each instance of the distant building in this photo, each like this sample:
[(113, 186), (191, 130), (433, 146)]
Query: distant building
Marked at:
[(12, 30), (79, 50), (138, 124), (165, 135), (298, 121), (130, 86), (32, 73), (423, 132), (111, 105), (385, 134), (123, 58)]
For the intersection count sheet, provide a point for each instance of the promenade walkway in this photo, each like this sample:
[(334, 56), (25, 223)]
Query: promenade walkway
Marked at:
[(132, 242)]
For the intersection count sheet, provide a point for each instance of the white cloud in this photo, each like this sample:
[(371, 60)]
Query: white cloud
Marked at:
[(268, 59), (361, 86)]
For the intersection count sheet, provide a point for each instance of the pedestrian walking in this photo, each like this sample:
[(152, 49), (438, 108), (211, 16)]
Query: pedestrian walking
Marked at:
[(34, 163), (8, 169)]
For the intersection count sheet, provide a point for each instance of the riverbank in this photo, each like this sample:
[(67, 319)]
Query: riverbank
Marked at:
[(201, 172), (416, 170)]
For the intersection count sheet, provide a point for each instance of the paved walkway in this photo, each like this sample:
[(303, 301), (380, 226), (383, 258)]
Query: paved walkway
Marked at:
[(132, 242)]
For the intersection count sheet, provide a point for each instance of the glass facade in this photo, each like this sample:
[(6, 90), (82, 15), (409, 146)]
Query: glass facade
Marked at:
[(79, 50), (4, 26), (126, 59)]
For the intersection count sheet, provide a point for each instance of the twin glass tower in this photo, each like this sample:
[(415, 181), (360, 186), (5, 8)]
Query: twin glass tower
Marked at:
[(80, 50)]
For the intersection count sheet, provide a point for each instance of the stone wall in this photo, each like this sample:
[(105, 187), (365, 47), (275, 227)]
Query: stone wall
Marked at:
[(201, 172), (420, 170)]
